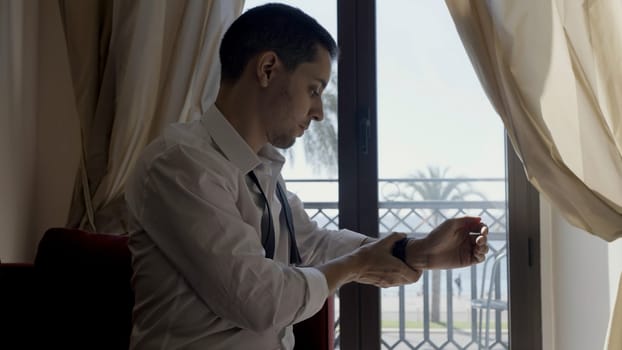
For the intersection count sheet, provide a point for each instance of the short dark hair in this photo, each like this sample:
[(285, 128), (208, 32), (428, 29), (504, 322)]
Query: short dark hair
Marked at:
[(292, 34)]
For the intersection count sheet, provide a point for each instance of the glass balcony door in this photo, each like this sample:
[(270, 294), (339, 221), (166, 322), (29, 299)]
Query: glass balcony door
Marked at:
[(441, 155)]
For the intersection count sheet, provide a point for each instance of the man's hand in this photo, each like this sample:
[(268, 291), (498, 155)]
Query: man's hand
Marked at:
[(455, 243), (378, 267), (373, 264), (452, 244)]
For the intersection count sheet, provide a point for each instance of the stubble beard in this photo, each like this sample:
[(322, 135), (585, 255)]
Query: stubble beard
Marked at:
[(284, 141)]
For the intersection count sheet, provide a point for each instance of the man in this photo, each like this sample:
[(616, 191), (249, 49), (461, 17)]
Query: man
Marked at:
[(225, 257)]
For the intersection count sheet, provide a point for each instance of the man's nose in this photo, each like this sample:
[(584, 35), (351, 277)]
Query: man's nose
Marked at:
[(317, 111)]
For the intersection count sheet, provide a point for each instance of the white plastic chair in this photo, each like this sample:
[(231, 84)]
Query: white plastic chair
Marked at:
[(485, 301)]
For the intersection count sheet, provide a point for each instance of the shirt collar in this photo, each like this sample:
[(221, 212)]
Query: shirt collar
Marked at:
[(234, 147)]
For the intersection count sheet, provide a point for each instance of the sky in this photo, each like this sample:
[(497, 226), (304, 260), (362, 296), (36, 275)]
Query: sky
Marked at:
[(432, 110)]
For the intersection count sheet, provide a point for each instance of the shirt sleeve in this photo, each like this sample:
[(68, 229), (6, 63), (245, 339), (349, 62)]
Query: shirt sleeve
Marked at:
[(190, 213), (319, 245)]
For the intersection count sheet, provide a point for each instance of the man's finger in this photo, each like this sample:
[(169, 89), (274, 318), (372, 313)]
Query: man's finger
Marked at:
[(472, 223), (412, 275), (481, 240), (475, 226), (484, 230), (394, 237), (481, 249)]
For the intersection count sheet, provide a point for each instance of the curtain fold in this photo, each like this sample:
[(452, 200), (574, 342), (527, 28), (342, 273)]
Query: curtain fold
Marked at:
[(39, 139), (137, 65), (18, 120), (552, 71)]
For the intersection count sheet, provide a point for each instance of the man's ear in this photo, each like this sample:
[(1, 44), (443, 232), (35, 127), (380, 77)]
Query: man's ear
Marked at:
[(267, 64)]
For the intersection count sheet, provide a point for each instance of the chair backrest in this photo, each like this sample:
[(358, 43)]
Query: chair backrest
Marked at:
[(85, 289), (317, 332), (490, 276)]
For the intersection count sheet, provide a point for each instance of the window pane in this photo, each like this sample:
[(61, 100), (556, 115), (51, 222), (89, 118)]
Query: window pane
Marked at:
[(441, 155)]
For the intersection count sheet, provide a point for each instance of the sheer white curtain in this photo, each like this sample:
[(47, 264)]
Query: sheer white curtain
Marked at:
[(137, 65), (553, 71)]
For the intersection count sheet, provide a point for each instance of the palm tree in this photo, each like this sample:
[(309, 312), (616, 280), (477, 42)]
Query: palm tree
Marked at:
[(435, 190)]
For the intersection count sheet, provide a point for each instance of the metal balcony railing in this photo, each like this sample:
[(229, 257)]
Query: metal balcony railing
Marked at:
[(422, 315)]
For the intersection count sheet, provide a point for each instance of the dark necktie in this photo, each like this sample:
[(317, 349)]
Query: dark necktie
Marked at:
[(267, 226)]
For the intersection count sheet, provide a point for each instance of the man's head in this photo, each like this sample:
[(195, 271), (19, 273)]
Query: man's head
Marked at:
[(292, 34), (276, 61)]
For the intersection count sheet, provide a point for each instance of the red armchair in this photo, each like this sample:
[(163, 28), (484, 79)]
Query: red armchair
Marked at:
[(78, 295)]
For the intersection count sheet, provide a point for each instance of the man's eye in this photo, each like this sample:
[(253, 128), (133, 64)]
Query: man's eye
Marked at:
[(315, 92)]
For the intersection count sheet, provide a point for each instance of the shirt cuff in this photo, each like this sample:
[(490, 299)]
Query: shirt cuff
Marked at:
[(317, 292)]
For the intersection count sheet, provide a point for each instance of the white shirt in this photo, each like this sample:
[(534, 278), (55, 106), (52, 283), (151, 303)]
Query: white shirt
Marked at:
[(201, 278)]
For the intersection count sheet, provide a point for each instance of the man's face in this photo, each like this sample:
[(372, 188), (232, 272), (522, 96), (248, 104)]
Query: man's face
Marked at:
[(294, 100)]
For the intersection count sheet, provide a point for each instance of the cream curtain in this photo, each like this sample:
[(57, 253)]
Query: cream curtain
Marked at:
[(553, 71), (18, 48), (137, 65), (39, 138)]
